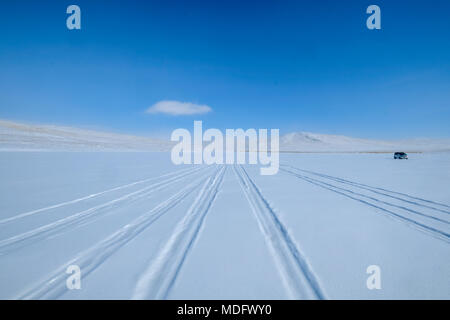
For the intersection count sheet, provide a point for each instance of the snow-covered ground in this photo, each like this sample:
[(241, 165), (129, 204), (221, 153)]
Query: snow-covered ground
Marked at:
[(140, 227)]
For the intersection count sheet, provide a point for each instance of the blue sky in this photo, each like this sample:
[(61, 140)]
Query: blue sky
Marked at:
[(294, 65)]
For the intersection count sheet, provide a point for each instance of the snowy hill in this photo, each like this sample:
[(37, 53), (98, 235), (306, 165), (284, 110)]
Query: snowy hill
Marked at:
[(17, 136), (313, 142)]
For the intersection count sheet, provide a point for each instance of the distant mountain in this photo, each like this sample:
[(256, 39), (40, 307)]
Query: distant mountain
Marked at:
[(313, 142), (17, 136)]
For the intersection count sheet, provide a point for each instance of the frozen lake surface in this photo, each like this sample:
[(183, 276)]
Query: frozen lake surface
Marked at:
[(140, 227)]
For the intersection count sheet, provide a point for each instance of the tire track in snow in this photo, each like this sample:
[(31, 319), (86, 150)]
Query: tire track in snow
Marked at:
[(375, 190), (91, 196), (380, 201), (438, 234), (159, 277), (82, 217), (55, 284), (296, 273)]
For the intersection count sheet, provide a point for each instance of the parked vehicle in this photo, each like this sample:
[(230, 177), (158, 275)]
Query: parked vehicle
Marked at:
[(400, 155)]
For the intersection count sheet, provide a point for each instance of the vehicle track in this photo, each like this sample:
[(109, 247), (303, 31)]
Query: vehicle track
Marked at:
[(378, 190), (382, 201), (91, 196), (158, 278), (295, 271), (430, 230), (88, 260), (85, 216)]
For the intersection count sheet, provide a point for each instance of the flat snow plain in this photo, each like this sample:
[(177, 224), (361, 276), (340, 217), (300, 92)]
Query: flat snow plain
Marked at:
[(140, 227)]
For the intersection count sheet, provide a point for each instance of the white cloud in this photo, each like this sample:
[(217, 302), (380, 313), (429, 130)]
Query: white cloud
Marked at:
[(177, 108)]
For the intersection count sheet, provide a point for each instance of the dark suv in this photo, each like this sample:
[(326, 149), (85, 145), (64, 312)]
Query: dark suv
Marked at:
[(400, 155)]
